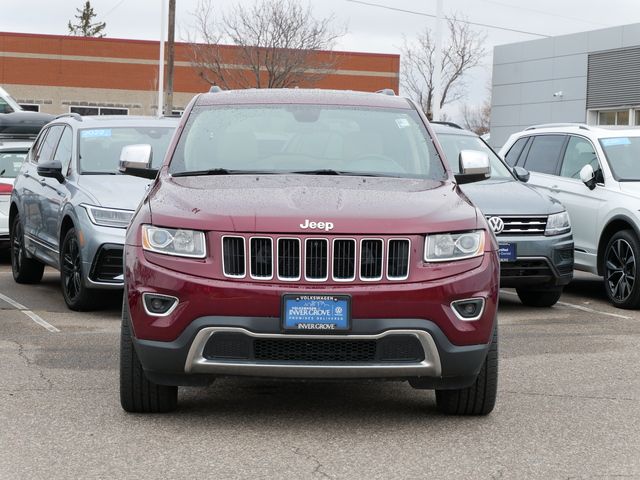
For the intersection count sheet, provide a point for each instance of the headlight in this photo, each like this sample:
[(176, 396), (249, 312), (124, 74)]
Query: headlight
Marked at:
[(446, 247), (558, 223), (170, 241), (109, 217)]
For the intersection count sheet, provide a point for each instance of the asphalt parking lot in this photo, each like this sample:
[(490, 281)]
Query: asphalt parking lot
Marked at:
[(568, 405)]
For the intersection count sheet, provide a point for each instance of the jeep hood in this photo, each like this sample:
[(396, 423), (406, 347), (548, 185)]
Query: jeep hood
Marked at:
[(509, 197), (281, 203), (114, 191)]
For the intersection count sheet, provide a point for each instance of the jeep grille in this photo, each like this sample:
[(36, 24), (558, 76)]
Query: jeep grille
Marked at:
[(315, 259)]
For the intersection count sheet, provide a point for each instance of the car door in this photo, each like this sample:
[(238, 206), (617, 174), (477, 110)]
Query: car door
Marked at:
[(40, 210), (542, 158), (55, 192), (584, 205)]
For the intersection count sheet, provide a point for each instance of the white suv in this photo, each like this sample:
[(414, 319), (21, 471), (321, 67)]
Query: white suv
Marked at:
[(595, 173)]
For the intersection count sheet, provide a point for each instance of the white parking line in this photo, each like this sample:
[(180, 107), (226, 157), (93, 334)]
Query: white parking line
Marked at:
[(36, 318), (578, 307)]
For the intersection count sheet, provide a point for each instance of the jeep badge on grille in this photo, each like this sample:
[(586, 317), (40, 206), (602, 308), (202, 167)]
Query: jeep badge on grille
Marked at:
[(326, 226)]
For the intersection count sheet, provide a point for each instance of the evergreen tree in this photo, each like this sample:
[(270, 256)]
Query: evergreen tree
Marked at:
[(85, 27)]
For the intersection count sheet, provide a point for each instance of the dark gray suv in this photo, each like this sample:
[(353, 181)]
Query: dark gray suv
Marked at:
[(70, 207), (532, 229)]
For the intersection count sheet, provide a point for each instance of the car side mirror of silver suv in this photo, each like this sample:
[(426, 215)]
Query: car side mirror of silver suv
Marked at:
[(474, 166), (521, 174), (588, 176), (51, 169), (136, 160)]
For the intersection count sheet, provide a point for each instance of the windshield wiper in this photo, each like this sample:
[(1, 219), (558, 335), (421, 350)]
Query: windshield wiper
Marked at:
[(221, 171), (320, 171)]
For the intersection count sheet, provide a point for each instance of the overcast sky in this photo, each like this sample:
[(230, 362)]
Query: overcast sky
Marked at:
[(370, 29)]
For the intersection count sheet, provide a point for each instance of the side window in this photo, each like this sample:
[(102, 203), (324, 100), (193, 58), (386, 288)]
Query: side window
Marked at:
[(514, 152), (45, 152), (63, 152), (35, 148), (579, 153), (544, 153), (5, 107)]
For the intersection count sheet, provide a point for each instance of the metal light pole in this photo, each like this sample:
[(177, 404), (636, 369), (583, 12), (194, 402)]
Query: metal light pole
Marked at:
[(437, 67), (168, 103), (163, 16)]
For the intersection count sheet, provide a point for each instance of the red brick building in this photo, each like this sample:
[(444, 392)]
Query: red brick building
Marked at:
[(58, 74)]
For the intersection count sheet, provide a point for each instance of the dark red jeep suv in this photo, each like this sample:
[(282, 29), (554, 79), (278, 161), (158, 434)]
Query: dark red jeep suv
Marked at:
[(308, 234)]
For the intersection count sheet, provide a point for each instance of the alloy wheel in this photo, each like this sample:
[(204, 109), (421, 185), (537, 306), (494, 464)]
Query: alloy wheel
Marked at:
[(17, 247), (620, 269), (72, 268)]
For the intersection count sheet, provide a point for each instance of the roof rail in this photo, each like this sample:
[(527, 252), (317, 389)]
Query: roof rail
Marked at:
[(387, 91), (215, 89), (75, 116), (448, 124), (583, 126)]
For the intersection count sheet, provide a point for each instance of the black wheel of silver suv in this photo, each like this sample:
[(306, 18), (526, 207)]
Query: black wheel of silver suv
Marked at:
[(620, 269), (24, 269), (76, 294)]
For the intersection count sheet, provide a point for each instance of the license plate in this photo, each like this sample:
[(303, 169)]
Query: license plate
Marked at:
[(316, 313), (507, 252)]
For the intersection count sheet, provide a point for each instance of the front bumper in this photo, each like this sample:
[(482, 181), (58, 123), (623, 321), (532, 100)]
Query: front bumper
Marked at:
[(542, 262), (186, 362)]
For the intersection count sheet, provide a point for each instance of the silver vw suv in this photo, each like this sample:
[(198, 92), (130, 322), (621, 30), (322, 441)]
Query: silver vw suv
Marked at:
[(595, 173), (70, 207)]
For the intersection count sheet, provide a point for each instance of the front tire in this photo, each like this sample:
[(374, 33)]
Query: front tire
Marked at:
[(24, 269), (137, 393), (620, 270), (479, 398), (76, 294), (539, 298)]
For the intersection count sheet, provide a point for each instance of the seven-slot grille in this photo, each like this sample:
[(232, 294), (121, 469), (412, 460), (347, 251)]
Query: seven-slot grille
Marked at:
[(523, 225), (315, 259)]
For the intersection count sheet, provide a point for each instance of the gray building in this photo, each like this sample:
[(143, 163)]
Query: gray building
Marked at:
[(591, 77)]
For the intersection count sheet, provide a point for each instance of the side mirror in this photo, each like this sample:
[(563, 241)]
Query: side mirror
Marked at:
[(136, 160), (51, 169), (521, 174), (588, 176), (474, 166)]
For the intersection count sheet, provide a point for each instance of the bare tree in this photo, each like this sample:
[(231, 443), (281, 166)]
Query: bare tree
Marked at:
[(477, 119), (277, 44), (463, 51)]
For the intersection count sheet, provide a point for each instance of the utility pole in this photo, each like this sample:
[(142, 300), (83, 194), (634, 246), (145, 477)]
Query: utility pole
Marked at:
[(437, 67), (161, 59), (168, 102)]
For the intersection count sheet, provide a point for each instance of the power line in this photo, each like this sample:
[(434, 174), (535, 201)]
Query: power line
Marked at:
[(117, 5), (518, 7), (414, 12)]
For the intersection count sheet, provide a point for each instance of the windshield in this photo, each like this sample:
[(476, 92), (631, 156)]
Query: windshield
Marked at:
[(452, 144), (10, 163), (100, 148), (623, 154), (306, 139)]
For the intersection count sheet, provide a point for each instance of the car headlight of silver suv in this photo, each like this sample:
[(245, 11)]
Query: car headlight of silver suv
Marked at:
[(108, 217), (447, 247), (558, 223), (171, 241)]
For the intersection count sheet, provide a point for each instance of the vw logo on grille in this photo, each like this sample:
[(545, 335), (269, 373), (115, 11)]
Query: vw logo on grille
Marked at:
[(496, 224)]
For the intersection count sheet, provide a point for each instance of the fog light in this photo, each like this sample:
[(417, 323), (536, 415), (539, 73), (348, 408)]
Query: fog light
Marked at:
[(468, 309), (158, 305)]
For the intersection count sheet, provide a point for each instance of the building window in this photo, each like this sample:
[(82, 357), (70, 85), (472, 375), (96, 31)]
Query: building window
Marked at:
[(637, 122), (30, 107), (99, 110), (613, 117)]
